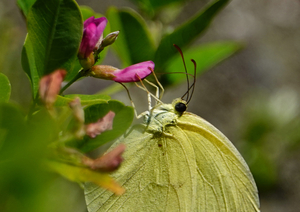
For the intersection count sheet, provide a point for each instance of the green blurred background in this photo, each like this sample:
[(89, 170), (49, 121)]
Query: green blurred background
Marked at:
[(252, 97)]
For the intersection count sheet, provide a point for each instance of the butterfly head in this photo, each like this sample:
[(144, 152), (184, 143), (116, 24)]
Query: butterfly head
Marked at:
[(162, 115), (180, 106)]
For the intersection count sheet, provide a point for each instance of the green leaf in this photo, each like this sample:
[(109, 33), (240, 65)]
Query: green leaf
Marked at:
[(54, 35), (25, 137), (155, 4), (186, 33), (158, 3), (85, 99), (134, 43), (10, 116), (72, 74), (84, 174), (153, 7), (29, 66), (263, 168), (87, 12), (25, 5), (122, 121), (5, 88), (13, 127), (23, 149), (206, 56)]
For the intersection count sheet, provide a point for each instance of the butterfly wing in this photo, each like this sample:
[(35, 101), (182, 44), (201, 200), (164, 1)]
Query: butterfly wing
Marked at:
[(99, 199), (190, 167), (158, 174), (225, 182)]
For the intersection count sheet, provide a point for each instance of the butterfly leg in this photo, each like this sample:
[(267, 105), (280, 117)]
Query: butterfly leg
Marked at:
[(149, 102), (157, 89), (161, 87), (143, 114), (143, 87), (132, 104)]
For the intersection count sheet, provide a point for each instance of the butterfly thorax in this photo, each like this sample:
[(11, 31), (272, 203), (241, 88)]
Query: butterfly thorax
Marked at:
[(163, 115)]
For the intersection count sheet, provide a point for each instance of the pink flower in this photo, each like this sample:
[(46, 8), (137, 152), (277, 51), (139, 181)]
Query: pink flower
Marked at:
[(50, 86), (92, 32), (132, 73), (108, 162), (103, 124)]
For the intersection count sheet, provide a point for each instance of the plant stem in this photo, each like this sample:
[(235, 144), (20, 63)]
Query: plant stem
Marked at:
[(80, 74)]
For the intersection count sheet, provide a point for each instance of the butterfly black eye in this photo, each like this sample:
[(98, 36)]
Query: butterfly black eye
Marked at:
[(180, 107)]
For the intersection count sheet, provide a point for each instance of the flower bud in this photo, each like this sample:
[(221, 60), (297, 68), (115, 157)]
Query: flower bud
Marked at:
[(78, 113), (92, 33), (103, 72), (108, 162), (103, 124), (50, 86), (109, 39)]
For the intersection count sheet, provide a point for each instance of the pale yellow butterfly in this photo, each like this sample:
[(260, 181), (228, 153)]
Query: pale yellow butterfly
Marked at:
[(177, 161)]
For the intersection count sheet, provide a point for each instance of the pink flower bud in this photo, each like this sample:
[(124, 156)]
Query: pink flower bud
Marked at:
[(92, 33), (103, 124), (132, 73), (78, 111), (78, 114), (50, 86), (108, 162)]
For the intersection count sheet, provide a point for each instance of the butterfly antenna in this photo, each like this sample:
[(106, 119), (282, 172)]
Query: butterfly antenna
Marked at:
[(194, 83), (188, 91), (187, 78), (176, 73), (185, 74)]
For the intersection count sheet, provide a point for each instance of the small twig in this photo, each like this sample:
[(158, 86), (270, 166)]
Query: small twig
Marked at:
[(80, 74)]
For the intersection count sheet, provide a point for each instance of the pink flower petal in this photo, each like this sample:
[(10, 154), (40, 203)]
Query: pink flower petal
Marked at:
[(108, 162), (130, 73), (50, 86), (101, 20), (92, 32), (88, 21), (103, 124), (86, 46)]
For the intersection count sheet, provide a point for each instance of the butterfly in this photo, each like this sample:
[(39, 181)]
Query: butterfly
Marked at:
[(177, 161)]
